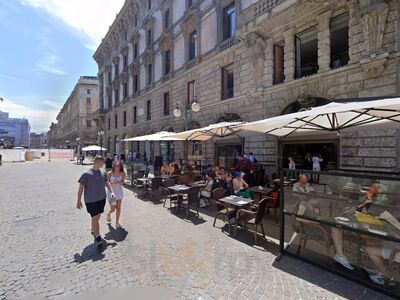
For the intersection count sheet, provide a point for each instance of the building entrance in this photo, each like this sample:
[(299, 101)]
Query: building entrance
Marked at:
[(328, 150)]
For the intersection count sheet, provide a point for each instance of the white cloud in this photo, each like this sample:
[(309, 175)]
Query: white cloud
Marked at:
[(39, 120), (49, 64), (90, 18), (52, 104)]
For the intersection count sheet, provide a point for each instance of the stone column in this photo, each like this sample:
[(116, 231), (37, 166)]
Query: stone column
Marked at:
[(269, 63), (289, 62), (324, 41)]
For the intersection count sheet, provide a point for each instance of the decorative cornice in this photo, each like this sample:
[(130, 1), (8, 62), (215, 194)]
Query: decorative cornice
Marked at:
[(166, 41), (134, 67), (190, 20), (148, 56), (116, 60)]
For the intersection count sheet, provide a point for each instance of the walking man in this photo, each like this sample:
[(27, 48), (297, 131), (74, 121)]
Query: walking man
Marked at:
[(92, 184)]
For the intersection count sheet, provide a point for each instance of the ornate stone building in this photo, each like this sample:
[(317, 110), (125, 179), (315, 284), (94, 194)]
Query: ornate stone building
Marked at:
[(249, 60), (76, 124)]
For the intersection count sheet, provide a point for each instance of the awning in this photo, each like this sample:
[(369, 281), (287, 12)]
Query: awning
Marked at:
[(159, 136), (213, 131), (93, 148), (333, 117)]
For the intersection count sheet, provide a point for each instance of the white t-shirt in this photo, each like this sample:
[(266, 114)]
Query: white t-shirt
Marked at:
[(316, 160)]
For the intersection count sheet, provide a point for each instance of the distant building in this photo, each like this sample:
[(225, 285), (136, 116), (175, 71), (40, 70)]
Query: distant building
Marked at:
[(38, 140), (14, 132), (76, 124)]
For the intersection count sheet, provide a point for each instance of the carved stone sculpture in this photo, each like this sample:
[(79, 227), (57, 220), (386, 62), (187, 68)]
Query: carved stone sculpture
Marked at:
[(373, 19), (256, 44)]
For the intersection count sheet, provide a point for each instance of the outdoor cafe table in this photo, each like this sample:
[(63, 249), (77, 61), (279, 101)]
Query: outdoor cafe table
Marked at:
[(180, 188), (236, 201)]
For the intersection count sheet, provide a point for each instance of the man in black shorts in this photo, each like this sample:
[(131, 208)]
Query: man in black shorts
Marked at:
[(92, 183)]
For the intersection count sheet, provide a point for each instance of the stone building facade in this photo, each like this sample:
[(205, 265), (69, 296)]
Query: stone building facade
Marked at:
[(249, 61), (76, 124), (38, 140)]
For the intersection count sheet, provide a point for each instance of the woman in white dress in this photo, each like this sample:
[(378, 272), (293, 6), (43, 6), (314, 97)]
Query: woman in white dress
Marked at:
[(116, 177)]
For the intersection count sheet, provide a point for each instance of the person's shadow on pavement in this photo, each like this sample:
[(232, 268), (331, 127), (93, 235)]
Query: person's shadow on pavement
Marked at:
[(93, 252), (117, 235)]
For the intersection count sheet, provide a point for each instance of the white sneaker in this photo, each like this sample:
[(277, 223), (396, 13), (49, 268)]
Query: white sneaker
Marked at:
[(380, 279), (343, 261)]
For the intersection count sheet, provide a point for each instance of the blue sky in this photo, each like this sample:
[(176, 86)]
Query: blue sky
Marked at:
[(45, 45)]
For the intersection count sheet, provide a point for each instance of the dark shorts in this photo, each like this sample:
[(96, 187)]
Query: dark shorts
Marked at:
[(96, 208)]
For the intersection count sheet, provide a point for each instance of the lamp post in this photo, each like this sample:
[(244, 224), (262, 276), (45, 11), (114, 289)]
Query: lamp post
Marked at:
[(100, 133), (194, 107)]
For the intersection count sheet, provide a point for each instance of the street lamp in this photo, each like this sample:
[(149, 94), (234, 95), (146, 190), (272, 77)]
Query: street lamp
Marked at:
[(100, 133), (194, 107)]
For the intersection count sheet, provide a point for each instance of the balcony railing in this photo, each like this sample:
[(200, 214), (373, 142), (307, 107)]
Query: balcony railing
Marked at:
[(255, 10), (228, 43)]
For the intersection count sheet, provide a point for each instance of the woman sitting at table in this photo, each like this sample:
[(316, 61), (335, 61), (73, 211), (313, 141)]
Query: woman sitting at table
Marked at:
[(166, 169), (371, 196), (240, 186), (210, 181), (176, 170)]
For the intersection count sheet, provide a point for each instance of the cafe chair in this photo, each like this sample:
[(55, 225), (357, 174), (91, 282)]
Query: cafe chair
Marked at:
[(311, 231), (136, 183), (246, 217), (154, 187), (227, 213), (391, 267), (169, 195), (273, 204), (191, 200)]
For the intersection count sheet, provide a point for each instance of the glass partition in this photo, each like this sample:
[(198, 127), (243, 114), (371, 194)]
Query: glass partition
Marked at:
[(348, 223)]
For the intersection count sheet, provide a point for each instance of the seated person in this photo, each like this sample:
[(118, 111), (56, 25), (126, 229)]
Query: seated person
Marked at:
[(176, 169), (240, 186), (310, 208), (302, 185), (378, 253), (210, 180), (371, 196), (218, 172), (166, 169)]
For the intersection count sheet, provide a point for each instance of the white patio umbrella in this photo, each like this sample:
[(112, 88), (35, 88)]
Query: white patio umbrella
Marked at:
[(159, 136), (93, 148), (213, 131), (333, 117)]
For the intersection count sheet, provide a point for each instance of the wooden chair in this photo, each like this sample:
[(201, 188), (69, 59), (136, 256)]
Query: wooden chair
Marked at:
[(273, 204), (246, 217), (136, 182), (391, 267), (191, 199), (172, 197), (154, 188), (226, 212)]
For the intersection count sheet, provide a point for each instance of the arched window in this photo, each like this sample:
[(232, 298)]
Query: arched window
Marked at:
[(304, 103)]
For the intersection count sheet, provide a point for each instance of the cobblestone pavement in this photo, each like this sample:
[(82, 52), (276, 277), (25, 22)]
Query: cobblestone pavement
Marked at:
[(46, 249)]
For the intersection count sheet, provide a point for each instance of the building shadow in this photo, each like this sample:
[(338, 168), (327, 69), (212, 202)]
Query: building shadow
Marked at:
[(343, 287), (192, 216), (92, 252), (117, 235)]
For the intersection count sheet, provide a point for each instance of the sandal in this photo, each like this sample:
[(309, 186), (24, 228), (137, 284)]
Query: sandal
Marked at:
[(118, 226)]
